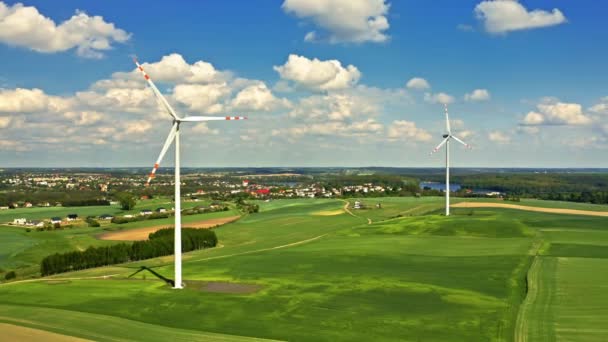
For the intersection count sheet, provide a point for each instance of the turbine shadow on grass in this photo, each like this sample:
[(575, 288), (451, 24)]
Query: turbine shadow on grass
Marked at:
[(158, 275)]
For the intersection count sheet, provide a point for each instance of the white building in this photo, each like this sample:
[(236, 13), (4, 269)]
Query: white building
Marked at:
[(20, 221)]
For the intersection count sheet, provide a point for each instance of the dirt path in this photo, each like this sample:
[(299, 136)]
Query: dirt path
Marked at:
[(527, 208), (12, 332), (369, 221), (142, 233)]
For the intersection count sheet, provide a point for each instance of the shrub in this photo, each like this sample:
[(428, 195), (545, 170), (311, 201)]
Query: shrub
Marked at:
[(10, 275)]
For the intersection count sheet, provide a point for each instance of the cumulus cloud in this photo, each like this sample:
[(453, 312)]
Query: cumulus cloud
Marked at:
[(601, 107), (203, 128), (407, 130), (258, 97), (333, 129), (477, 95), (5, 121), (203, 98), (343, 21), (336, 107), (418, 84), (502, 16), (318, 75), (84, 118), (24, 26), (557, 113), (499, 137), (441, 98), (22, 100)]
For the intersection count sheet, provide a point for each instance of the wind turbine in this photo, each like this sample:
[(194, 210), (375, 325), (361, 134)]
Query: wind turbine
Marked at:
[(174, 135), (446, 141)]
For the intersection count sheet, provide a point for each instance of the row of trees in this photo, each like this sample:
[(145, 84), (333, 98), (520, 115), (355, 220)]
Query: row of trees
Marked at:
[(160, 243)]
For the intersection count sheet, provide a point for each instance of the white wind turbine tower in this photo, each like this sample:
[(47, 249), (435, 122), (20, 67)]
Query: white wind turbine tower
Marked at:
[(174, 135), (446, 141)]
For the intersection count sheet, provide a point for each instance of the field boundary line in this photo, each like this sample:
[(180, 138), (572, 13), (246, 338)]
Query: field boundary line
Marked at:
[(47, 279), (262, 249), (530, 208)]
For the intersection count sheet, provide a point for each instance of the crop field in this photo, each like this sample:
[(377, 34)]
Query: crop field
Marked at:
[(319, 270)]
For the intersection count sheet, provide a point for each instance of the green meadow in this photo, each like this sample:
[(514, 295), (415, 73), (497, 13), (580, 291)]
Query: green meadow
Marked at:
[(402, 272)]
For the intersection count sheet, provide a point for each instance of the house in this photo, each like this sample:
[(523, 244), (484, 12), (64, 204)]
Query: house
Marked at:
[(357, 205), (145, 212), (4, 208), (55, 220), (103, 187), (72, 217), (128, 216), (106, 217), (144, 197), (245, 182), (20, 221), (161, 210), (28, 205)]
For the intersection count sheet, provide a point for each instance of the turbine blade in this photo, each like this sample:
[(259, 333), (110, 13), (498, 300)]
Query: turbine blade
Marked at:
[(157, 92), (440, 145), (462, 142), (447, 120), (168, 142), (212, 118)]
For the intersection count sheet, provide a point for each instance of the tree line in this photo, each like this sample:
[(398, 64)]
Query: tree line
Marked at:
[(160, 243)]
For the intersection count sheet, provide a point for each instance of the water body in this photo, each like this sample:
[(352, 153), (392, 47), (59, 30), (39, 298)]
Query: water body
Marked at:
[(439, 186)]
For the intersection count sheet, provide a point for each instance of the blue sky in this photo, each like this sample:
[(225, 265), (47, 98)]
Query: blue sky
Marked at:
[(324, 82)]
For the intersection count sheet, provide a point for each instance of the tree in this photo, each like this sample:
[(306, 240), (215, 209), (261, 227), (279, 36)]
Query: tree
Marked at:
[(127, 200), (10, 275)]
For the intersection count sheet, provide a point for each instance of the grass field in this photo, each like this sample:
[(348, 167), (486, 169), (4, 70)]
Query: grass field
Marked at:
[(410, 275)]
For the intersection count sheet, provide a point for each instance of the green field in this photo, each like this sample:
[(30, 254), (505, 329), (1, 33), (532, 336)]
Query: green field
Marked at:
[(323, 274)]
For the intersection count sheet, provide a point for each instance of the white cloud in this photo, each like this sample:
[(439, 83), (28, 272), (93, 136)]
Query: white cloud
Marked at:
[(499, 137), (5, 121), (12, 145), (318, 75), (202, 128), (24, 26), (22, 100), (441, 98), (355, 21), (332, 129), (174, 68), (336, 107), (557, 113), (418, 84), (477, 95), (203, 98), (601, 107), (84, 118), (407, 130), (258, 97), (502, 16)]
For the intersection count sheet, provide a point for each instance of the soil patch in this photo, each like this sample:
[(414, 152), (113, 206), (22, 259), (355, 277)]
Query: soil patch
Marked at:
[(523, 207), (18, 333), (138, 234), (223, 287)]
